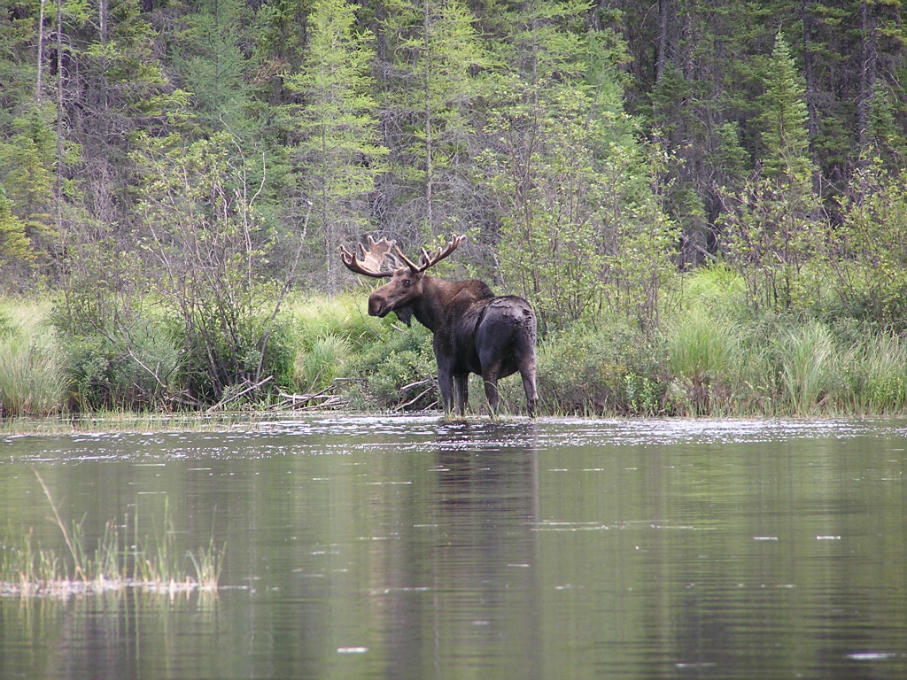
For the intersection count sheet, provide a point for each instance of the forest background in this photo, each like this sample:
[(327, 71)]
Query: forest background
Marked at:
[(704, 201)]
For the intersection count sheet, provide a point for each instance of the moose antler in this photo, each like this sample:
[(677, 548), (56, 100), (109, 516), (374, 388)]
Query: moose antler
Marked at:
[(371, 259), (427, 260)]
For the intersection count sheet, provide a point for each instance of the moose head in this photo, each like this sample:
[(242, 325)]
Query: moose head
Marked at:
[(474, 330), (405, 285)]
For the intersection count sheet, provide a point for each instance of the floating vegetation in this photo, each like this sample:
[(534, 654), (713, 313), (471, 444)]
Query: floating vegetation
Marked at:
[(151, 564)]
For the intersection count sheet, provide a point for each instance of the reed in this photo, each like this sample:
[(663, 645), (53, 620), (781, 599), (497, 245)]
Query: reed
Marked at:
[(874, 373), (31, 377), (808, 368), (700, 350), (155, 565)]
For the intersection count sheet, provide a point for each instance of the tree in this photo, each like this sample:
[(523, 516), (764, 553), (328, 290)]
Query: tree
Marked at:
[(204, 248), (435, 79), (775, 223), (338, 155), (581, 229)]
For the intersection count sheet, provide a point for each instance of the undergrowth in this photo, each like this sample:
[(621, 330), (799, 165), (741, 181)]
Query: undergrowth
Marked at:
[(713, 354)]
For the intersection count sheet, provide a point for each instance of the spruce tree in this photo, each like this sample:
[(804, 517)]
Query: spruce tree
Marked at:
[(434, 76), (338, 153)]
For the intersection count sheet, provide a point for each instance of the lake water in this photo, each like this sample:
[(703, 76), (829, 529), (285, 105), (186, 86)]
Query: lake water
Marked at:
[(408, 547)]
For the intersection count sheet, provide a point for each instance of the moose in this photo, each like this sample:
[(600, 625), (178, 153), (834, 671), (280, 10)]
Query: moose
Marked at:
[(475, 331)]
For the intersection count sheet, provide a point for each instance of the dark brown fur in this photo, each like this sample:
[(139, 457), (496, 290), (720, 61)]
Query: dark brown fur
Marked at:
[(474, 332)]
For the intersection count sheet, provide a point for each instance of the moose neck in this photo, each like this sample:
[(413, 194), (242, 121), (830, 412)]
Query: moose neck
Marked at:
[(442, 300), (429, 310)]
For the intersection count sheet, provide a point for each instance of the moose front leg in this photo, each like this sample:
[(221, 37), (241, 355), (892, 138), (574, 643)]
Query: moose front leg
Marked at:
[(461, 383), (445, 384)]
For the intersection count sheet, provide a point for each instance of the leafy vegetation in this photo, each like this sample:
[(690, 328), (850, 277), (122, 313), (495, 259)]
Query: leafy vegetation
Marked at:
[(174, 174)]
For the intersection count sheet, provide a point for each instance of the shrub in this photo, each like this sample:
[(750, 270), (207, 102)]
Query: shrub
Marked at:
[(134, 365), (613, 369), (397, 369)]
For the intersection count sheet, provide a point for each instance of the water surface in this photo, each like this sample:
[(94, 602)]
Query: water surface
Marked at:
[(408, 547)]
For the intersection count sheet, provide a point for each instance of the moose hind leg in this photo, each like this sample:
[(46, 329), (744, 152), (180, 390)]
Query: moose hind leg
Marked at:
[(532, 395), (446, 385), (490, 379)]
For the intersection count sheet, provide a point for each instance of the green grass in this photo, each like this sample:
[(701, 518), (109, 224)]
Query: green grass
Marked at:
[(153, 565), (31, 376), (713, 355)]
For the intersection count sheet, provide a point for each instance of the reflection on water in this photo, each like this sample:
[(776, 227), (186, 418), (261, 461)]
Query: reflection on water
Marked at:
[(362, 547)]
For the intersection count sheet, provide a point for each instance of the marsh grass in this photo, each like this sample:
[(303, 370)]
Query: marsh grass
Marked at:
[(153, 565), (31, 376), (701, 348), (713, 355), (808, 368)]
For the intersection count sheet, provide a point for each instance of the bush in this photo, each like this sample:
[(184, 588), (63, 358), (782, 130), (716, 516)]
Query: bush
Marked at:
[(397, 369), (616, 369), (131, 366)]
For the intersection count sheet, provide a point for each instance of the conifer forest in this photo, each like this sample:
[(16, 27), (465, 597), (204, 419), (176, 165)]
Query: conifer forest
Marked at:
[(705, 202)]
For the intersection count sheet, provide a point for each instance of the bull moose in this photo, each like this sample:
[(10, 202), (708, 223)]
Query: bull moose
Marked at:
[(474, 330)]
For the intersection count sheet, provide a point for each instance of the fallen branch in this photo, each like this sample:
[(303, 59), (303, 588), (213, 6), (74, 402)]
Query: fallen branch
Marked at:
[(233, 397)]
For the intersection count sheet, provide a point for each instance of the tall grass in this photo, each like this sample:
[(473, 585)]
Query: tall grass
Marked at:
[(31, 376), (809, 368), (154, 564), (714, 355), (874, 372), (700, 350)]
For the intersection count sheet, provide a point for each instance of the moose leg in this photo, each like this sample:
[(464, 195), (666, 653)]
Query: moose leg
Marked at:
[(490, 378), (446, 385), (461, 383), (532, 395)]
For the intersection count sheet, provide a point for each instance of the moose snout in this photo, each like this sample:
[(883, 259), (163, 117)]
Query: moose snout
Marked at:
[(376, 305)]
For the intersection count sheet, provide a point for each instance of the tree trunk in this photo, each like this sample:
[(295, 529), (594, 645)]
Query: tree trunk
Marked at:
[(868, 59), (428, 141), (58, 190), (40, 53)]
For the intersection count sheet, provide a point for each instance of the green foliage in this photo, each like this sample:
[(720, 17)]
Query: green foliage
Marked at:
[(581, 229), (700, 348), (207, 247), (808, 367), (31, 379), (784, 118), (124, 362), (14, 244), (390, 368), (774, 223), (874, 370), (615, 369), (871, 260), (338, 152)]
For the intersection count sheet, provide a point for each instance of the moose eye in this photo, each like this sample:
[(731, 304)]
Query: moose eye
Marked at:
[(407, 283)]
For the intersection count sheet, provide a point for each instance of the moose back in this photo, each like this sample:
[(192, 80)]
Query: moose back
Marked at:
[(474, 330)]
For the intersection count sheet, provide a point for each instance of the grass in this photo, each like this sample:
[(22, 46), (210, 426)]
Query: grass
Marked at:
[(154, 565), (713, 355), (31, 377)]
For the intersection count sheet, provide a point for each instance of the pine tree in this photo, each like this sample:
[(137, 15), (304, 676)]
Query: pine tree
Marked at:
[(213, 65), (775, 226), (784, 119), (435, 80), (338, 154)]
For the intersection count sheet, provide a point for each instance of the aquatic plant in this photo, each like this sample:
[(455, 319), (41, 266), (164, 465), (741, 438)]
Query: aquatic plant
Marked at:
[(154, 565)]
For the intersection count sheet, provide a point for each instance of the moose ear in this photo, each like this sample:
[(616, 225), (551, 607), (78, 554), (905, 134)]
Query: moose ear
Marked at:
[(405, 314)]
